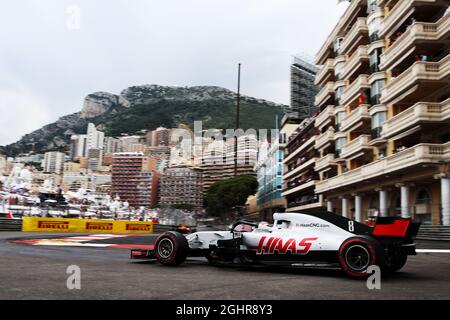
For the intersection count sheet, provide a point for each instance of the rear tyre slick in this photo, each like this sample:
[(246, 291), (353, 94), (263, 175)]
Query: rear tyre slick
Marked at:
[(171, 248), (358, 253)]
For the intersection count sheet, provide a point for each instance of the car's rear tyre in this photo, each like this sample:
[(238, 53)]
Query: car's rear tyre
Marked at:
[(356, 254), (395, 262), (171, 248)]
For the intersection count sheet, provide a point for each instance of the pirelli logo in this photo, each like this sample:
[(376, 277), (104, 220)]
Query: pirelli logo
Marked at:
[(138, 227), (99, 226), (63, 225)]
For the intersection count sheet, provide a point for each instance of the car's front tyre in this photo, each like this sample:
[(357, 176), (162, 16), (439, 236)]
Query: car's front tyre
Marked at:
[(171, 248), (357, 254)]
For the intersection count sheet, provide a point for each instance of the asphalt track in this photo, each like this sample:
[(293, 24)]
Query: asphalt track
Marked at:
[(39, 272)]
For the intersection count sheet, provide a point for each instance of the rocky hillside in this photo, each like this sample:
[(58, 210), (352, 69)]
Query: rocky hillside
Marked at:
[(148, 107)]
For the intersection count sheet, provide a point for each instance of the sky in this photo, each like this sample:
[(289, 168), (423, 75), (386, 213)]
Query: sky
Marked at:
[(55, 52)]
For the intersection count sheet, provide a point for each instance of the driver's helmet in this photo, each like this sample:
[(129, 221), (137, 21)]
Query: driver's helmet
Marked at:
[(263, 225)]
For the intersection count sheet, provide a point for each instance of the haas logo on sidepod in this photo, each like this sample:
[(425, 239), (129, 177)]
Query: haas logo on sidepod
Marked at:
[(282, 246)]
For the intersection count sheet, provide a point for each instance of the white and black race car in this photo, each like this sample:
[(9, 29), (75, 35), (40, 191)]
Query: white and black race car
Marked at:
[(320, 240)]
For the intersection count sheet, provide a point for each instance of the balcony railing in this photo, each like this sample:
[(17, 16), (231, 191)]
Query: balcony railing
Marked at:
[(302, 147), (302, 167), (325, 162), (402, 9), (420, 112), (300, 186), (327, 68), (324, 94), (419, 31), (324, 138), (353, 90), (358, 57), (356, 145), (326, 114), (358, 30), (419, 154), (420, 70), (357, 115)]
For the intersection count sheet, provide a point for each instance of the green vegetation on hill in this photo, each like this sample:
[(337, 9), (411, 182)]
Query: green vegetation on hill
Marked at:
[(149, 107)]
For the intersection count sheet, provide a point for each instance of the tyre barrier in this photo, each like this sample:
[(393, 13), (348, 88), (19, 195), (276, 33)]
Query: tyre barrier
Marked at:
[(10, 224)]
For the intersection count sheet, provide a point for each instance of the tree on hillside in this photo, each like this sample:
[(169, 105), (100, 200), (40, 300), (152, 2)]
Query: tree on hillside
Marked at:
[(223, 195)]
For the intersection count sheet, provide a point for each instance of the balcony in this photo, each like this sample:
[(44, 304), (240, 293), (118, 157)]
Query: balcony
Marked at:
[(300, 187), (301, 148), (325, 94), (349, 15), (419, 113), (325, 162), (324, 139), (357, 35), (401, 11), (325, 117), (410, 80), (300, 208), (325, 72), (419, 32), (357, 145), (305, 165), (358, 58), (401, 161), (358, 115), (352, 92)]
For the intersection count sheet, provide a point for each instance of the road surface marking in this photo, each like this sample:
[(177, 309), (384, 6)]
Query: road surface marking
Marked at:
[(433, 250)]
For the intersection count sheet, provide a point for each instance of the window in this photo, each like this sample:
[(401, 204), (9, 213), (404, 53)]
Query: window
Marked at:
[(339, 117), (374, 27), (374, 58), (339, 92), (337, 46), (338, 69), (377, 122), (340, 142), (375, 91)]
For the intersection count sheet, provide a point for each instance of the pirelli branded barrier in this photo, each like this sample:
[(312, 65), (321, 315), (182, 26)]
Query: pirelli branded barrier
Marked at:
[(33, 224)]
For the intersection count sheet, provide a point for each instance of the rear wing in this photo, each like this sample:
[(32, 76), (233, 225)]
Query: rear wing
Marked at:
[(395, 227)]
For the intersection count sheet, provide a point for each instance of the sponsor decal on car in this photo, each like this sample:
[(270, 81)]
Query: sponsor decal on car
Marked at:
[(312, 225), (270, 245)]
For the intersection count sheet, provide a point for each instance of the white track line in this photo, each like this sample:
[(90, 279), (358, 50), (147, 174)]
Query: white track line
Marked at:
[(433, 250)]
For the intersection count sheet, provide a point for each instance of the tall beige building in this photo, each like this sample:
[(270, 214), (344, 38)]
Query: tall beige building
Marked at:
[(384, 122)]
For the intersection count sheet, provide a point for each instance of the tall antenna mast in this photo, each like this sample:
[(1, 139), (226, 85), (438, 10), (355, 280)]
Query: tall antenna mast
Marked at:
[(238, 102)]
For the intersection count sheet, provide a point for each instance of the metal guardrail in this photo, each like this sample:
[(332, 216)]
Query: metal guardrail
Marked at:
[(10, 224)]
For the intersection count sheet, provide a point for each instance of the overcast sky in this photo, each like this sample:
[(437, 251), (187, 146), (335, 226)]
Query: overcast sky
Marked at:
[(50, 60)]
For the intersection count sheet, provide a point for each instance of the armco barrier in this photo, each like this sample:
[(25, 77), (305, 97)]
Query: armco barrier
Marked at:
[(33, 224), (10, 224)]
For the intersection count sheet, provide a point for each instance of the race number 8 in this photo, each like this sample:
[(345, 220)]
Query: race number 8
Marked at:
[(351, 226)]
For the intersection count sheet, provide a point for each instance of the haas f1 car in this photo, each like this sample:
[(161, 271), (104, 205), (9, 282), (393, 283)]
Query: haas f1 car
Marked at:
[(317, 240)]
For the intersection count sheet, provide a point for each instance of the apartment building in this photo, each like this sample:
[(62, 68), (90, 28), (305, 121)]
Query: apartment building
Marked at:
[(111, 145), (181, 185), (384, 143), (81, 144), (217, 160), (134, 179), (95, 159), (53, 162), (300, 177), (269, 172)]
